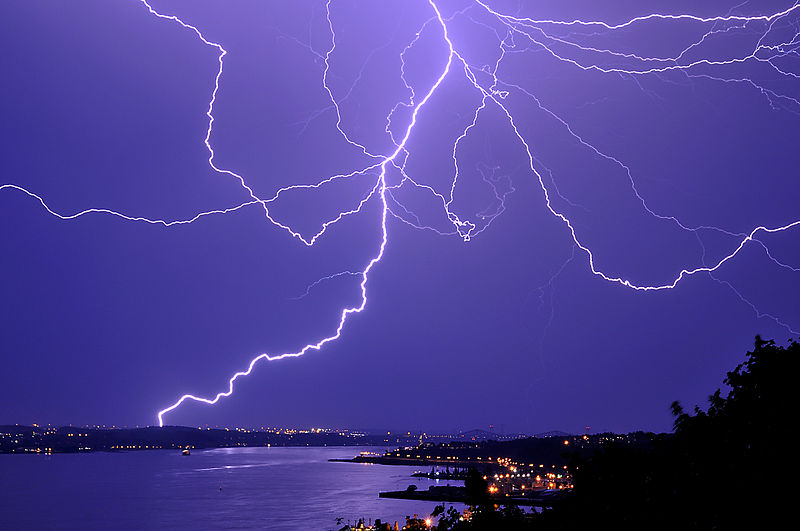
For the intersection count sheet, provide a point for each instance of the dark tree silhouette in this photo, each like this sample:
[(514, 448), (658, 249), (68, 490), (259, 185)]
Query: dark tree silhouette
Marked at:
[(728, 467), (724, 468), (477, 488)]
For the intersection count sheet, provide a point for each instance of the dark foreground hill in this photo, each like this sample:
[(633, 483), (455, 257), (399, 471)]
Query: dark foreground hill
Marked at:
[(728, 467)]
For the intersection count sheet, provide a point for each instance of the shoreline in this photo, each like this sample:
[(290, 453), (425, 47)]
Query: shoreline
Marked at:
[(456, 494)]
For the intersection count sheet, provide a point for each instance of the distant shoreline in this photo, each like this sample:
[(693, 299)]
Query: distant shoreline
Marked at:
[(49, 440), (17, 439)]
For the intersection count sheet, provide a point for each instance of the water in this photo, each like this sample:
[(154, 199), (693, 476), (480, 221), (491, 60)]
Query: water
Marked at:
[(263, 488)]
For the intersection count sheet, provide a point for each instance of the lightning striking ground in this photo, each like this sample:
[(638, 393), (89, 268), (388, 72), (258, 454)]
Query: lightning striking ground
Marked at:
[(568, 42)]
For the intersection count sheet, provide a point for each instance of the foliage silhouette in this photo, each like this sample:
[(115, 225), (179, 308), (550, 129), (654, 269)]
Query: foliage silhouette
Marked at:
[(724, 468)]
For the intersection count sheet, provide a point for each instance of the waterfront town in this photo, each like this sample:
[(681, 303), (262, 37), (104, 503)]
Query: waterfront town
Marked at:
[(520, 470), (71, 439), (514, 470), (474, 448)]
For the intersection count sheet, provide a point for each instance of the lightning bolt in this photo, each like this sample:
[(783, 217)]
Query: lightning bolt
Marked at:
[(381, 188), (569, 42)]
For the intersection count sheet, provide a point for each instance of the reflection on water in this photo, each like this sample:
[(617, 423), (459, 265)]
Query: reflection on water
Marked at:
[(225, 488)]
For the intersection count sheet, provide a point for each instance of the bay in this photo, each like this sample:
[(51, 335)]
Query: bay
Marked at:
[(223, 488)]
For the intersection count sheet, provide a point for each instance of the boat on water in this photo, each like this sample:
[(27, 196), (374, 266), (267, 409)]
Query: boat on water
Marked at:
[(186, 451)]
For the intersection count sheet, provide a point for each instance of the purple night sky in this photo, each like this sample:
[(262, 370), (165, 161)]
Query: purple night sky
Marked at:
[(481, 310)]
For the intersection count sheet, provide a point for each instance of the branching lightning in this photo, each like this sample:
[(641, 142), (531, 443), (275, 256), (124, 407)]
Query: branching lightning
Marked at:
[(571, 43)]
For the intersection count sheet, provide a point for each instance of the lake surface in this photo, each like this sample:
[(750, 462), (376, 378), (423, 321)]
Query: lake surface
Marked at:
[(262, 488)]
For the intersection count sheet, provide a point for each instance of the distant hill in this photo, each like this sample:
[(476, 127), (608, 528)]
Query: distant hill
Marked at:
[(554, 433), (36, 439), (485, 435)]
